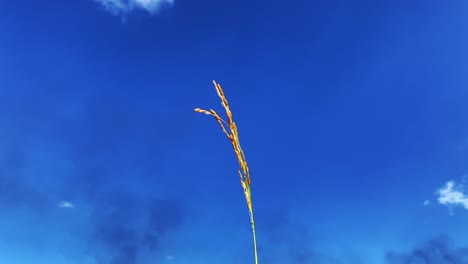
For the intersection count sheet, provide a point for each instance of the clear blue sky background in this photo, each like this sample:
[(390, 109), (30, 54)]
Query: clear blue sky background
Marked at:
[(352, 115)]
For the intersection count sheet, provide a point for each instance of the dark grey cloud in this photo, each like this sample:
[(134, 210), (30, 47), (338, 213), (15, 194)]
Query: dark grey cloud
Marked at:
[(438, 250), (283, 230), (126, 226)]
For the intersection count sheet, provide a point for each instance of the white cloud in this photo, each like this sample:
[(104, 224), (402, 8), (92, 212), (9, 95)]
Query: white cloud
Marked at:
[(452, 195), (66, 204), (427, 203), (123, 7)]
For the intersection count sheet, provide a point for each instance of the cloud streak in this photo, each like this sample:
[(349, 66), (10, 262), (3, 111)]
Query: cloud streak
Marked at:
[(124, 7)]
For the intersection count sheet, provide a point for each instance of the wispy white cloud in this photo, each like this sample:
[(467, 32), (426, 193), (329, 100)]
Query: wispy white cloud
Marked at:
[(427, 203), (66, 204), (452, 195), (123, 7)]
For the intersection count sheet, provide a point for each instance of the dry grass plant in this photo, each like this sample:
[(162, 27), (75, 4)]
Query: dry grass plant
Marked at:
[(233, 137)]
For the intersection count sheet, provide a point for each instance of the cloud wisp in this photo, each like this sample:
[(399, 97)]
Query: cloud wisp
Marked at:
[(452, 195), (124, 7), (66, 204)]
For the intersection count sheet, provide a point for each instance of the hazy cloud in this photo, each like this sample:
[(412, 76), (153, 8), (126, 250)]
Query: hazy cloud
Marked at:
[(438, 250), (130, 225), (122, 7), (105, 159), (292, 242)]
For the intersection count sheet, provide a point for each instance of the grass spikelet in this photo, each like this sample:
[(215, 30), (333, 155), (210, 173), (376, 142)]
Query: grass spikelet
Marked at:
[(243, 170)]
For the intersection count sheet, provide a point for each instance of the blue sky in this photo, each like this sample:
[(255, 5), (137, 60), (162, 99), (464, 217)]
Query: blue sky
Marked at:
[(352, 116)]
